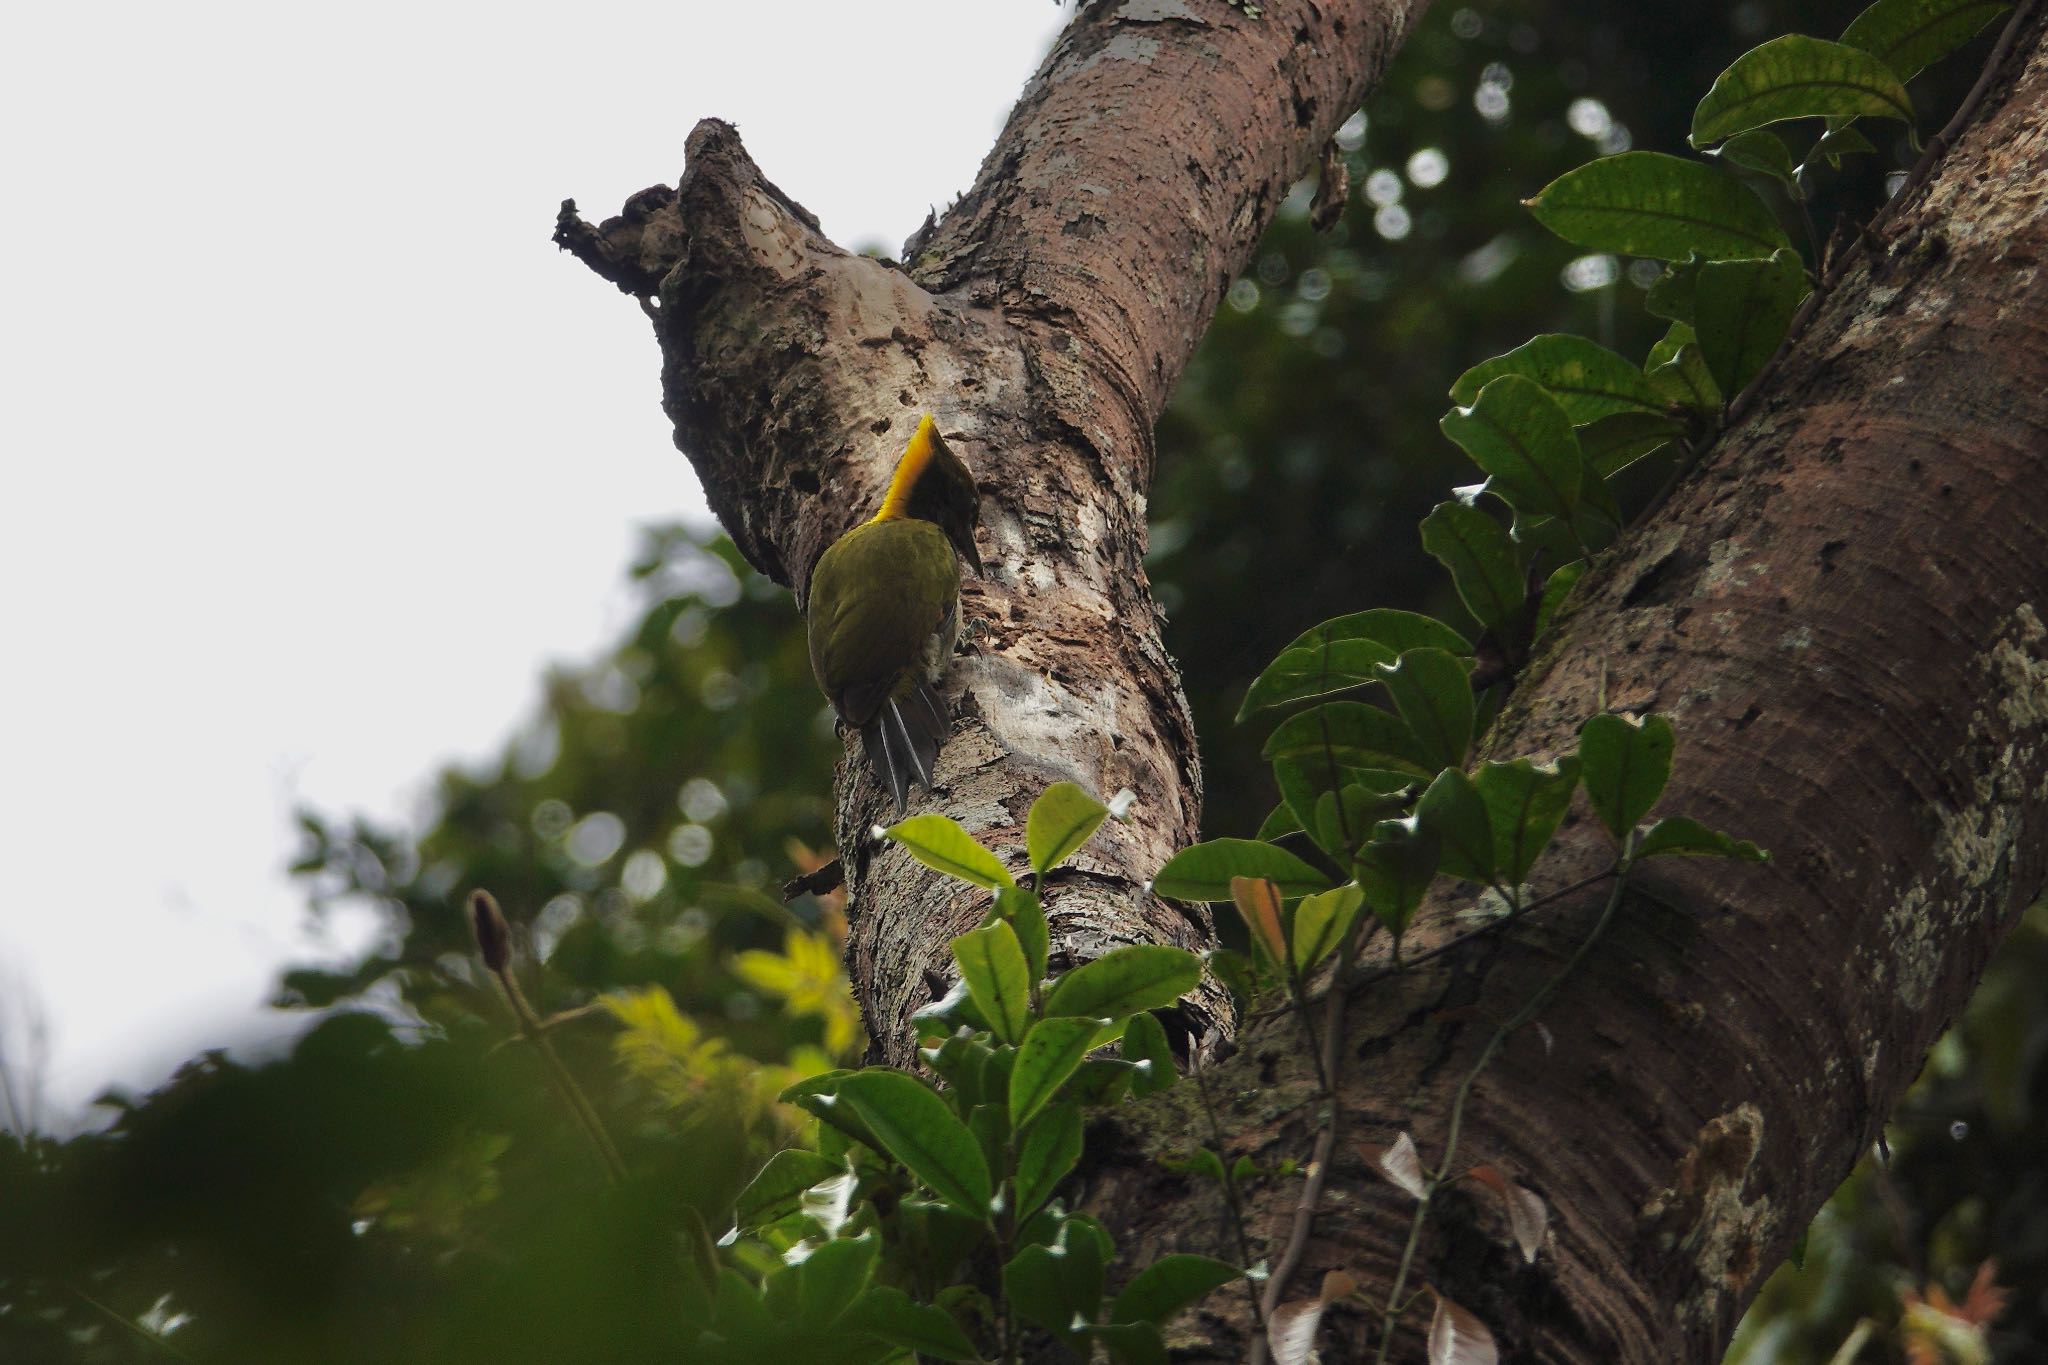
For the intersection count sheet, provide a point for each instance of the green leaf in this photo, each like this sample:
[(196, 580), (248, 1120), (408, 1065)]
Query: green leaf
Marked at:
[(1677, 370), (993, 965), (1342, 652), (1675, 835), (941, 845), (1524, 803), (780, 1186), (1624, 764), (1555, 591), (1322, 921), (1131, 1343), (959, 1061), (1203, 872), (887, 1312), (1433, 692), (1145, 1044), (1837, 143), (818, 1095), (1453, 809), (1351, 735), (1124, 981), (1101, 1080), (1344, 819), (1614, 443), (1235, 971), (832, 1277), (1062, 819), (1050, 1053), (1765, 153), (1671, 293), (1027, 919), (1798, 77), (917, 1128), (1481, 558), (1281, 820), (1587, 380), (1168, 1285), (949, 1013), (1910, 35), (1650, 204), (1051, 1286), (1397, 631), (1741, 312), (1301, 672), (1522, 438), (1395, 870), (1050, 1148)]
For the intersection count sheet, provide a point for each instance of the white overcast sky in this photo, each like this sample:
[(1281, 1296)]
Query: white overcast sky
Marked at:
[(317, 451)]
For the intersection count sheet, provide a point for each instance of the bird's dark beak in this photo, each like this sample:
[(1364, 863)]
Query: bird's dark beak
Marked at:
[(971, 552)]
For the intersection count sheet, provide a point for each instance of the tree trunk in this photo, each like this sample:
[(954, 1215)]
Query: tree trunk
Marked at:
[(1839, 611), (1044, 323)]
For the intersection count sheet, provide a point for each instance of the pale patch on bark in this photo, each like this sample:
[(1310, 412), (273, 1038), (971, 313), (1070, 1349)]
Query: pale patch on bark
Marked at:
[(1703, 1214)]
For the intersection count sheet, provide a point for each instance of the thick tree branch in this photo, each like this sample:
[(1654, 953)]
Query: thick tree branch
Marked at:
[(1841, 611), (1043, 321)]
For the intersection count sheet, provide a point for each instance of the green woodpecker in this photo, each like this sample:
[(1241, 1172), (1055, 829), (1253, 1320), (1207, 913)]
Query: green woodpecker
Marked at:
[(885, 611)]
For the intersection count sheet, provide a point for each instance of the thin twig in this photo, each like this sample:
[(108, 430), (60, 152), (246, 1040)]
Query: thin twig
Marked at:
[(1457, 1122), (1319, 1160), (1244, 1241)]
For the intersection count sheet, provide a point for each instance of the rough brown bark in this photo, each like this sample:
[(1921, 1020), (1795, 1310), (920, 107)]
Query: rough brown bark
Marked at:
[(1044, 322), (1841, 611)]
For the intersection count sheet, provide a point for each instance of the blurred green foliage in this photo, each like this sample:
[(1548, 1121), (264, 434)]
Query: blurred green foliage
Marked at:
[(402, 1184)]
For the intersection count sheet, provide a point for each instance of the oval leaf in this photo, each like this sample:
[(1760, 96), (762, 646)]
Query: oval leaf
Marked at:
[(1587, 380), (1168, 1285), (1741, 311), (1050, 1148), (1203, 872), (1678, 836), (1458, 1337), (919, 1129), (887, 1312), (1798, 77), (1650, 204), (1350, 734), (1125, 981), (1452, 807), (998, 977), (940, 844), (1481, 558), (1052, 1051), (1314, 671), (1524, 802), (1908, 35), (1063, 818), (1521, 437), (1145, 1044), (1433, 692), (1322, 921), (1027, 918), (1624, 763), (1396, 630), (780, 1186)]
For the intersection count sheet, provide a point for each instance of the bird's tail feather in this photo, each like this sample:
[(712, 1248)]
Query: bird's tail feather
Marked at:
[(903, 739)]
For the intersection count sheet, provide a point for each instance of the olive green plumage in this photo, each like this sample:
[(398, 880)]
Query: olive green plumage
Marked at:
[(884, 606)]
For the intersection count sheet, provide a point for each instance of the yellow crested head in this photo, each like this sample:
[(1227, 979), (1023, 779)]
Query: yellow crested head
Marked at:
[(917, 457)]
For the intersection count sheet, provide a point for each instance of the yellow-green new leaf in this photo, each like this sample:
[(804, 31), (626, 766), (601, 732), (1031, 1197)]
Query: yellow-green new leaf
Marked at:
[(940, 844), (1063, 818), (993, 965), (1322, 921)]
